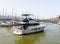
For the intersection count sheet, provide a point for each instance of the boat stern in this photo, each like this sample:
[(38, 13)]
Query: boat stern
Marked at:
[(18, 30)]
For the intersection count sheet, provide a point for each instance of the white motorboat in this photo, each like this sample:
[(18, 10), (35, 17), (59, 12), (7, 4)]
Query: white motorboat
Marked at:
[(28, 26), (4, 23)]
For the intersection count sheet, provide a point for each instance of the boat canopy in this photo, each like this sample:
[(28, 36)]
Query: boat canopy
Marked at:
[(26, 14)]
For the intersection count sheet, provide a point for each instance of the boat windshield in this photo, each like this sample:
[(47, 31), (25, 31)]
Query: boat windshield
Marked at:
[(26, 20)]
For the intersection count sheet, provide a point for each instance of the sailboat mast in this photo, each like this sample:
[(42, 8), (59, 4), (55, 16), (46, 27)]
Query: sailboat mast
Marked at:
[(3, 11)]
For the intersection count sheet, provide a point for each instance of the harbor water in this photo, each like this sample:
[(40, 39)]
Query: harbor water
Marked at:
[(51, 35)]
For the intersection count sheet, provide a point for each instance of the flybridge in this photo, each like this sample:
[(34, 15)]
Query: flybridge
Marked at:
[(26, 14)]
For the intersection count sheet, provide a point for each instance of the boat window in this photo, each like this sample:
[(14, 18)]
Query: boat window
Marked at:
[(39, 28), (25, 20), (30, 19)]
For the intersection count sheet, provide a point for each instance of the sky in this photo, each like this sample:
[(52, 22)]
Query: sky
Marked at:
[(42, 9)]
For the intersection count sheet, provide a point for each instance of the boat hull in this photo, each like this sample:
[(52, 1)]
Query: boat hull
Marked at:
[(29, 30)]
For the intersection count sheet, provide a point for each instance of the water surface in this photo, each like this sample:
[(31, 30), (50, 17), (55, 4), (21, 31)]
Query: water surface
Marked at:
[(51, 35)]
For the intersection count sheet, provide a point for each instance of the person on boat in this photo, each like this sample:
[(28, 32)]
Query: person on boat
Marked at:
[(25, 25)]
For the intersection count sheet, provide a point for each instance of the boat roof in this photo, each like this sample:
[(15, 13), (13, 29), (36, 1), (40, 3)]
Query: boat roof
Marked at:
[(26, 14)]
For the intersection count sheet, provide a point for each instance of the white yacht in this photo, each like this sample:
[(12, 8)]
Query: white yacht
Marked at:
[(28, 26), (5, 23)]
